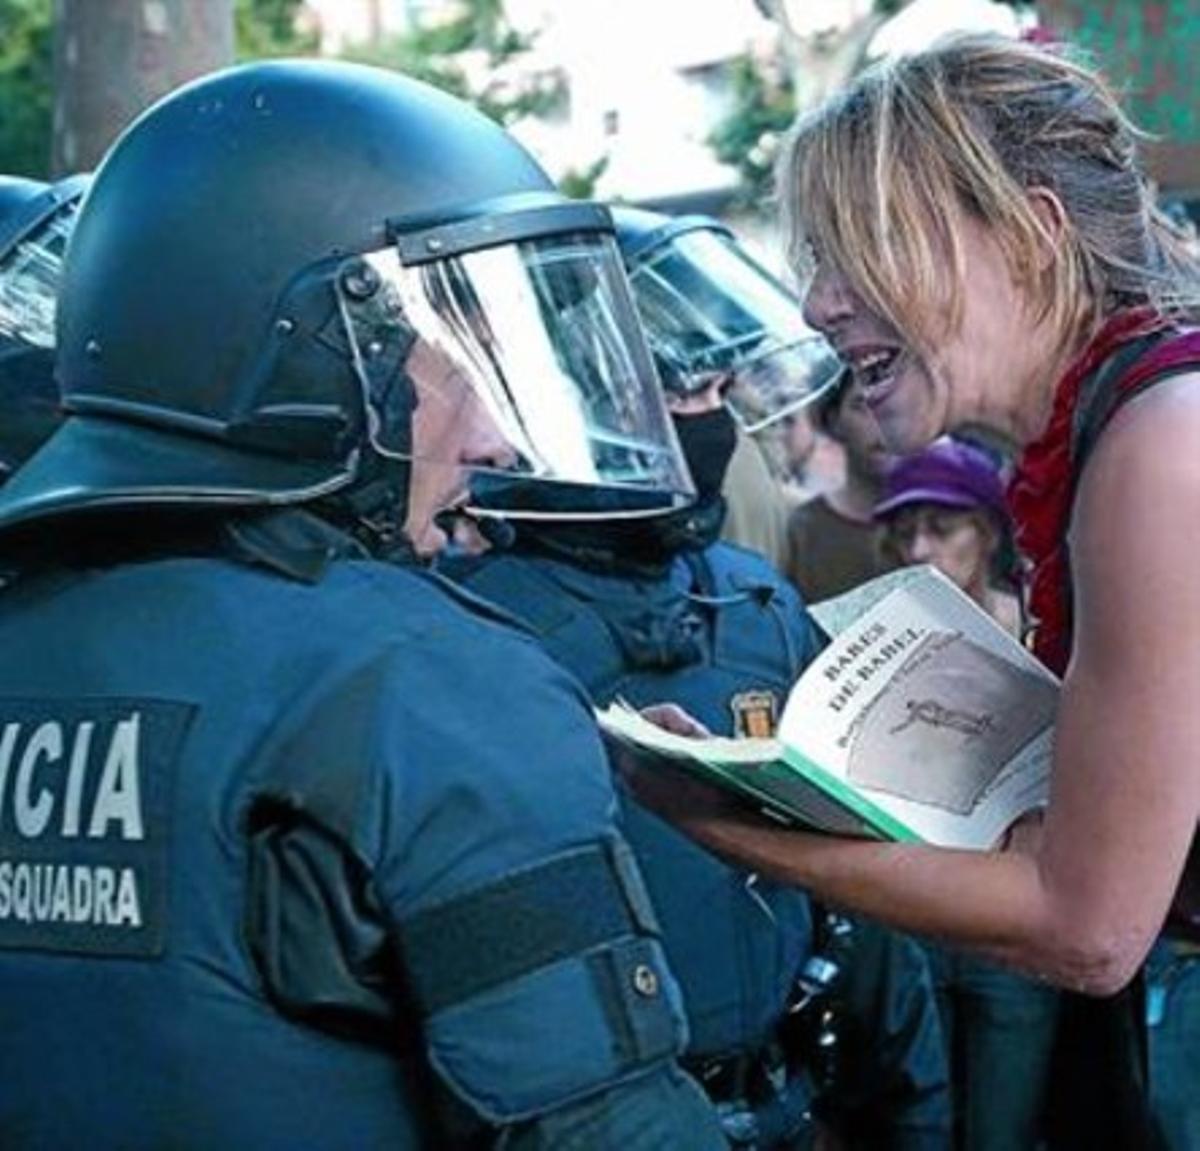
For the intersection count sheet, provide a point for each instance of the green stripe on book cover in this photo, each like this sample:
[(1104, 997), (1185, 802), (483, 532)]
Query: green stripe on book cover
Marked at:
[(870, 813)]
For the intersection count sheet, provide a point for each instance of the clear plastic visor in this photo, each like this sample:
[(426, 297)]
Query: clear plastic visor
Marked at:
[(29, 280), (712, 311), (515, 378)]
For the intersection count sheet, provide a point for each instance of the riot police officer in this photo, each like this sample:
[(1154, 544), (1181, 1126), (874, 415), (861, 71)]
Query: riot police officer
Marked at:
[(656, 609), (714, 313), (35, 222), (299, 848), (651, 610), (712, 307)]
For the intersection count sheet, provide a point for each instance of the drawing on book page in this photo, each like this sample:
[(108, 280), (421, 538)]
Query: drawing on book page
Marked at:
[(946, 724)]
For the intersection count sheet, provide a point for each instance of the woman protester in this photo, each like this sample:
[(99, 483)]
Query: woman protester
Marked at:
[(983, 242), (984, 252)]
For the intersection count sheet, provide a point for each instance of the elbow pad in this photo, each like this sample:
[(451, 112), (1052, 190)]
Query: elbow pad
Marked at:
[(545, 985)]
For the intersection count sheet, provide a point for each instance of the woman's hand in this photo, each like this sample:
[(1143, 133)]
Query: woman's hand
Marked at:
[(691, 804), (725, 824), (671, 717), (673, 793), (703, 811), (1025, 835)]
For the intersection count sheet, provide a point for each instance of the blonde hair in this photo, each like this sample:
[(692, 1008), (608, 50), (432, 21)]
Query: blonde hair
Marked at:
[(877, 181)]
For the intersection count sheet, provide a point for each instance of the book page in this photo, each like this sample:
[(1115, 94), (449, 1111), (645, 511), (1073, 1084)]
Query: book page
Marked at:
[(838, 613), (927, 714)]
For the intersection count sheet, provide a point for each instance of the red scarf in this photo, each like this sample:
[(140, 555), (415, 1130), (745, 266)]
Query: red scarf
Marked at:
[(1041, 491)]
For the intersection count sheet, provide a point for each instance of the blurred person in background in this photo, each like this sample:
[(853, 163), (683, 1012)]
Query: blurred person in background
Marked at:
[(833, 539), (1173, 1040), (945, 506), (756, 504), (799, 443), (812, 462)]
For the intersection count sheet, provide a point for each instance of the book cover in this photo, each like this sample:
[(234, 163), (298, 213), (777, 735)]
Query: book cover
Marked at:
[(922, 720)]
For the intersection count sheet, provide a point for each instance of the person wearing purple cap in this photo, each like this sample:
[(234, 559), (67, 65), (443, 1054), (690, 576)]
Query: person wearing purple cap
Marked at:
[(945, 506)]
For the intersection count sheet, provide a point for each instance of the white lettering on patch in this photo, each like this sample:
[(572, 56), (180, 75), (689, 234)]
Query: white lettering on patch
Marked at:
[(118, 797), (69, 893), (32, 817)]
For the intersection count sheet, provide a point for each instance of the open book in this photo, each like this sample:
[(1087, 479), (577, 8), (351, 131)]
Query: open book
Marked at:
[(922, 720)]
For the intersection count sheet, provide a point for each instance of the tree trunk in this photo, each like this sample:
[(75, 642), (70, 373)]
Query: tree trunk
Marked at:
[(114, 59), (822, 60)]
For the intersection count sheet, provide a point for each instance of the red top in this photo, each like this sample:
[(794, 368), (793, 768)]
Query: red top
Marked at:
[(1040, 497), (1042, 489)]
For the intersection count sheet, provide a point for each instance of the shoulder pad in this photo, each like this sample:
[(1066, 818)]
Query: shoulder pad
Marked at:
[(729, 568), (474, 602)]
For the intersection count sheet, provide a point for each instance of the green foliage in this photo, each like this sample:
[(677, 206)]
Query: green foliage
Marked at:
[(439, 54), (581, 185), (748, 138), (268, 28), (264, 28), (26, 87)]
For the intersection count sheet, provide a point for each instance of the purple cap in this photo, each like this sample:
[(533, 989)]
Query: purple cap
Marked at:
[(948, 473)]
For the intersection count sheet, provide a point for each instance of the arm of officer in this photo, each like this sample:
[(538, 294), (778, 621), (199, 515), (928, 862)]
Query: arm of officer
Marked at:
[(527, 940)]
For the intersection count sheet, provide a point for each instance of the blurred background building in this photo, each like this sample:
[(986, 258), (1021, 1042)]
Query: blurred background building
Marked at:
[(670, 104)]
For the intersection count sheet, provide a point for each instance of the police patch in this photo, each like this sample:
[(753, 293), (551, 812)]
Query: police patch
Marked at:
[(754, 714), (85, 801)]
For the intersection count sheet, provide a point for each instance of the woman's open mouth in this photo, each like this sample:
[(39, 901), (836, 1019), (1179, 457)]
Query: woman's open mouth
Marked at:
[(875, 370)]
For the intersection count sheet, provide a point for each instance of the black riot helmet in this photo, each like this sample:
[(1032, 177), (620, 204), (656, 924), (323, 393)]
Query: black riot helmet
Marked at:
[(265, 255), (29, 412), (712, 312), (35, 222), (15, 193)]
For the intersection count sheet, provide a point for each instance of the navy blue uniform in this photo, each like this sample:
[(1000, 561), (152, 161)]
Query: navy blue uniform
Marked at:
[(289, 864), (714, 628), (718, 632)]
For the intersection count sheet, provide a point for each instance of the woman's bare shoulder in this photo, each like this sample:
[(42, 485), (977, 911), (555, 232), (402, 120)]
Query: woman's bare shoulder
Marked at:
[(1135, 532), (1149, 453)]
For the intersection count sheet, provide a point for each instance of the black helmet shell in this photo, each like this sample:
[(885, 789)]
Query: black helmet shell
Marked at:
[(188, 374), (26, 204), (641, 232)]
